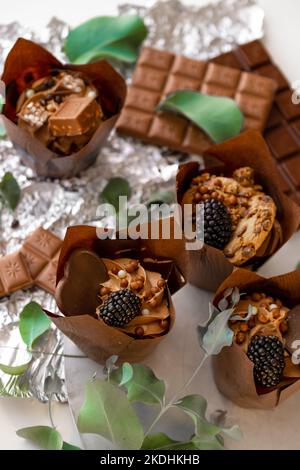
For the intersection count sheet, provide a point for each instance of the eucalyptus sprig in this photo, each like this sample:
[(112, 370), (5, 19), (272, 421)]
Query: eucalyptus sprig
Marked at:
[(107, 409)]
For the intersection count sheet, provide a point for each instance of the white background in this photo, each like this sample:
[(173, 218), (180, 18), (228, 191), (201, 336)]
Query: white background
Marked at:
[(282, 40)]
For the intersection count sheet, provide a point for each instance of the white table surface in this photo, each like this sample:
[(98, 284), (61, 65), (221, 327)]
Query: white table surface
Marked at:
[(282, 39)]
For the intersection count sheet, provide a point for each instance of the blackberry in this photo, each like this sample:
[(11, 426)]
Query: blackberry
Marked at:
[(217, 224), (120, 308), (267, 354)]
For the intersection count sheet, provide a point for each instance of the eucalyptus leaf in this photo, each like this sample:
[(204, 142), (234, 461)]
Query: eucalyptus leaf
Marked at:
[(252, 311), (161, 441), (207, 442), (14, 370), (216, 334), (235, 296), (67, 446), (33, 323), (195, 406), (115, 188), (110, 364), (144, 386), (106, 37), (234, 432), (107, 411), (219, 117), (127, 373), (10, 190), (43, 436), (223, 304)]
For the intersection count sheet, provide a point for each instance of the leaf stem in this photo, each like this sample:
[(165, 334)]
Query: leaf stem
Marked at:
[(177, 395), (50, 412), (32, 351)]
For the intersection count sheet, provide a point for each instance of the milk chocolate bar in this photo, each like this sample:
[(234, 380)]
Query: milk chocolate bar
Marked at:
[(159, 73), (283, 126), (34, 264)]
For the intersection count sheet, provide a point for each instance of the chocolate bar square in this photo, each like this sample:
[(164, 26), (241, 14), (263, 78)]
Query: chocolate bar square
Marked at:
[(159, 73), (283, 127)]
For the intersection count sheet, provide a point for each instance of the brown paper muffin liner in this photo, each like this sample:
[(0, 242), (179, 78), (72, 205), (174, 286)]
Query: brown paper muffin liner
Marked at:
[(208, 267), (95, 338), (233, 370), (27, 59)]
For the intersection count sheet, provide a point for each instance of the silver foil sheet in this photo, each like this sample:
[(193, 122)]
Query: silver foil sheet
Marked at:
[(199, 33)]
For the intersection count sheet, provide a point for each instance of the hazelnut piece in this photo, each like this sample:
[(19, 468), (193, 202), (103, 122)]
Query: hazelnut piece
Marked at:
[(244, 327), (256, 296), (161, 283), (276, 313), (139, 331), (240, 337), (262, 317), (283, 326), (104, 290), (124, 283)]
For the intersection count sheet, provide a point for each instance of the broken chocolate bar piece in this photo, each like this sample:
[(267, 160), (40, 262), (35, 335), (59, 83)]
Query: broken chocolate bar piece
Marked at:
[(76, 116), (14, 274), (283, 126), (41, 252), (159, 73), (34, 264)]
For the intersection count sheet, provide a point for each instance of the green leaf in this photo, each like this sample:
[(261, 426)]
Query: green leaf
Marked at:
[(106, 37), (161, 441), (10, 190), (195, 406), (234, 432), (127, 373), (207, 443), (33, 323), (161, 197), (110, 365), (43, 436), (115, 188), (298, 265), (14, 370), (67, 446), (218, 116), (106, 411), (144, 386), (215, 334)]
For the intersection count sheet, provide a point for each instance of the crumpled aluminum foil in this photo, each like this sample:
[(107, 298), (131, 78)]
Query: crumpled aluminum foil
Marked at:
[(199, 33)]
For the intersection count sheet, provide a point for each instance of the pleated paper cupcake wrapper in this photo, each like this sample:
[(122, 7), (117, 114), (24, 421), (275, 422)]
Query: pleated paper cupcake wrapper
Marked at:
[(95, 338), (208, 267), (233, 370), (26, 56)]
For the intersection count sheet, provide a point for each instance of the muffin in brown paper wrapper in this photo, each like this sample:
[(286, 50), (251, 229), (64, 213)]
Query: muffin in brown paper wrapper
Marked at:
[(28, 60), (92, 335), (233, 370), (208, 267)]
